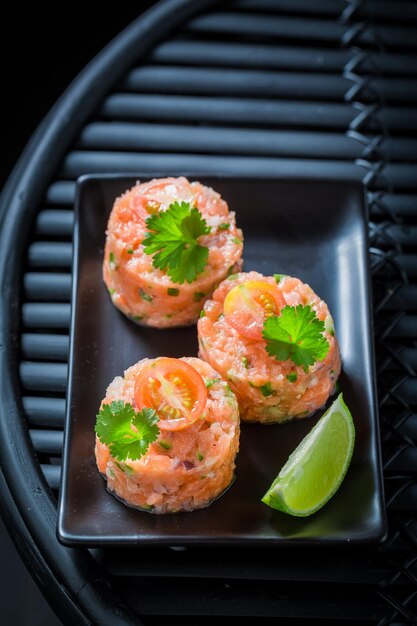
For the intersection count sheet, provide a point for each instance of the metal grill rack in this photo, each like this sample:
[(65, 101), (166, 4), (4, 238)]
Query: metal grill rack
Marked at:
[(246, 87)]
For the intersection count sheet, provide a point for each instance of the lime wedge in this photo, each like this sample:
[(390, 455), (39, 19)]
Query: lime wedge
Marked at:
[(316, 468)]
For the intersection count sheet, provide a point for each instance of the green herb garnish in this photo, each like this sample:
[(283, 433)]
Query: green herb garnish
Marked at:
[(245, 362), (279, 277), (266, 390), (228, 390), (211, 381), (202, 313), (292, 377), (224, 226), (237, 241), (172, 239), (296, 334), (145, 296), (200, 457), (198, 295), (329, 326), (114, 428), (166, 445), (172, 291), (112, 262)]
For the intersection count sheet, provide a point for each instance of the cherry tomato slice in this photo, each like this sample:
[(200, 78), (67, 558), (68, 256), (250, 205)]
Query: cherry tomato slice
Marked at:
[(247, 305), (174, 389)]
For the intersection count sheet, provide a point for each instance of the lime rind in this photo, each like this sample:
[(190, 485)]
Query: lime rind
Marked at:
[(277, 495)]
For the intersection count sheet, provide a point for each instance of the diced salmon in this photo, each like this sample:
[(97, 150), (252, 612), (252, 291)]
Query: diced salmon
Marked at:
[(264, 387), (183, 470), (145, 294)]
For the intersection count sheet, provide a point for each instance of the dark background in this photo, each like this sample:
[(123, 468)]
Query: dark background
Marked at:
[(50, 47)]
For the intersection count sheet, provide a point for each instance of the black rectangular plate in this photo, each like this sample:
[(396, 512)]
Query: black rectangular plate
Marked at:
[(316, 230)]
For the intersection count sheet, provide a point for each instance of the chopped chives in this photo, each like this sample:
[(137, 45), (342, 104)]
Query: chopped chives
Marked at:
[(145, 296)]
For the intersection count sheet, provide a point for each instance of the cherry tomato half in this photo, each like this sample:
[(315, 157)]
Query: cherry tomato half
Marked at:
[(247, 306), (174, 389)]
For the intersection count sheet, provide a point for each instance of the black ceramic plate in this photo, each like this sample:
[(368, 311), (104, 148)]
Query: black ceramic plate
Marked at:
[(314, 230)]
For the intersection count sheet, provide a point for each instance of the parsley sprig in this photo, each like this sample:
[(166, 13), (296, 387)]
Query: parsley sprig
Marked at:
[(173, 240), (296, 334), (114, 428)]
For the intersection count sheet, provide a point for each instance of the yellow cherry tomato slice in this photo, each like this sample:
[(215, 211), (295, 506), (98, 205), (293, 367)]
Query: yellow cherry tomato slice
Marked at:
[(247, 306), (174, 389)]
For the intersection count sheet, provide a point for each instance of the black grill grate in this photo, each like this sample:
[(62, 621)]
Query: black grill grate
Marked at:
[(276, 87)]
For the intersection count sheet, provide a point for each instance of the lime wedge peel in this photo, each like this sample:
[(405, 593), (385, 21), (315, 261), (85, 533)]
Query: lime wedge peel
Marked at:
[(317, 467)]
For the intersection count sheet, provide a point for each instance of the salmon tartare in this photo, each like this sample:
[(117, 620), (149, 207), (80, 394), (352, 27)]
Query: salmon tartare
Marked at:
[(272, 339), (169, 243), (167, 435)]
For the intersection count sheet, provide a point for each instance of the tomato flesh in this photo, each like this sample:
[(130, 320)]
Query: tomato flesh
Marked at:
[(247, 306), (174, 389)]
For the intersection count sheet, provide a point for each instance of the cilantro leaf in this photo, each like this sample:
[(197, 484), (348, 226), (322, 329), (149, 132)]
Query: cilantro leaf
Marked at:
[(114, 428), (296, 334), (173, 240)]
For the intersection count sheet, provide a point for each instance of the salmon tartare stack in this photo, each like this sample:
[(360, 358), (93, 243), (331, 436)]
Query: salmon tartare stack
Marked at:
[(169, 243), (272, 339), (167, 435)]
